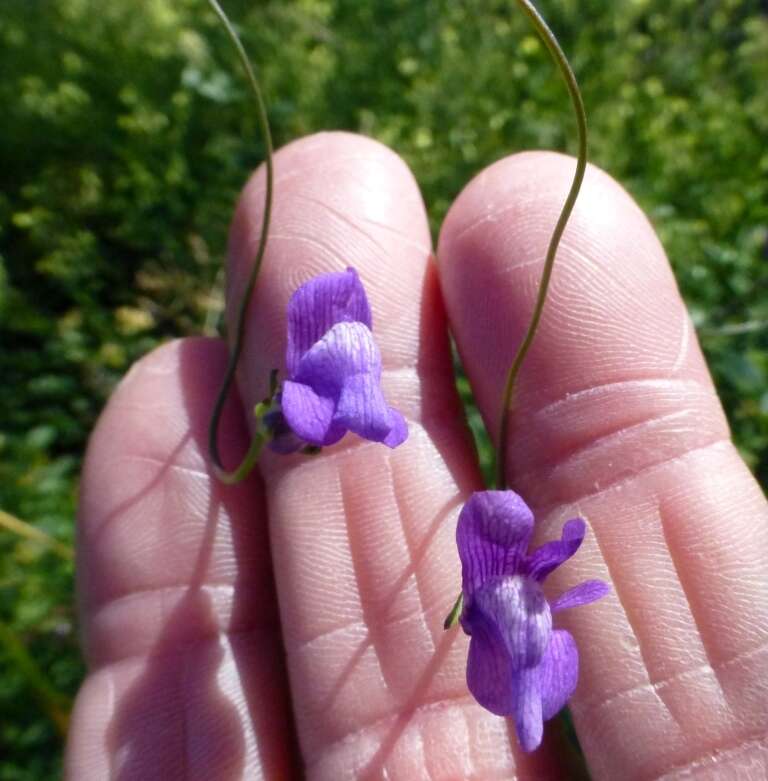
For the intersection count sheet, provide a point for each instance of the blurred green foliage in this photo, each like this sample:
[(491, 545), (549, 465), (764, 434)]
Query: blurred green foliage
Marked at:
[(127, 132)]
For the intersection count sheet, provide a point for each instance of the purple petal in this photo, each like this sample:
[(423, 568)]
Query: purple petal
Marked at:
[(499, 688), (310, 415), (583, 594), (346, 350), (492, 536), (558, 672), (399, 432), (320, 304), (343, 372), (528, 708), (489, 672), (361, 408), (552, 554), (517, 608)]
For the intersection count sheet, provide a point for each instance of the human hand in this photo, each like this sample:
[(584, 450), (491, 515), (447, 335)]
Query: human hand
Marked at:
[(615, 420)]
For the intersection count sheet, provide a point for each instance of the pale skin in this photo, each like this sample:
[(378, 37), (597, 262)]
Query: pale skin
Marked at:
[(196, 673)]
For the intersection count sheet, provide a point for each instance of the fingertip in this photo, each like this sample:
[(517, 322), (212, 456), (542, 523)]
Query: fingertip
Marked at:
[(527, 188), (613, 310)]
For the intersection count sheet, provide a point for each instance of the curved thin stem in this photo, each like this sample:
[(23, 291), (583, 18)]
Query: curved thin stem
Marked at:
[(581, 120), (251, 457), (237, 347)]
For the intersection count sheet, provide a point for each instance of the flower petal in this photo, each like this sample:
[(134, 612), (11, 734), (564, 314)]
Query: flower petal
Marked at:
[(317, 306), (346, 350), (399, 432), (361, 408), (552, 554), (518, 609), (343, 369), (492, 536), (583, 594), (499, 688), (489, 671), (558, 672), (528, 710), (310, 415)]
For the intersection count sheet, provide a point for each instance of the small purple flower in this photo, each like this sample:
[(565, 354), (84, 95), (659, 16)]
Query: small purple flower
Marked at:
[(333, 368), (519, 666)]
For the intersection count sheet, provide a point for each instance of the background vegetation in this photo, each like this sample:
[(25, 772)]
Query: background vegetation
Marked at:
[(127, 133)]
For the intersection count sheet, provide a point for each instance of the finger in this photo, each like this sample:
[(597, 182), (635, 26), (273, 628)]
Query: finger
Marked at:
[(616, 420), (363, 536), (176, 597)]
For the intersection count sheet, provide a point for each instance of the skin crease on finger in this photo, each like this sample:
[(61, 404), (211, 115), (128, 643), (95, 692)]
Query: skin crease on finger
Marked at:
[(616, 420)]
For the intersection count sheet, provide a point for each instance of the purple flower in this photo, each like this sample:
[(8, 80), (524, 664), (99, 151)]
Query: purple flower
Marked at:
[(519, 666), (334, 370)]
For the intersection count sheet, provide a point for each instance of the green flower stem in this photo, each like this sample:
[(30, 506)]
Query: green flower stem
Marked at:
[(259, 439), (581, 120), (581, 164), (24, 529), (252, 455)]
